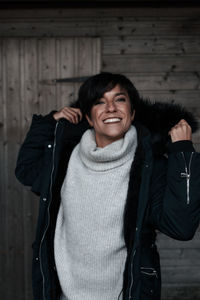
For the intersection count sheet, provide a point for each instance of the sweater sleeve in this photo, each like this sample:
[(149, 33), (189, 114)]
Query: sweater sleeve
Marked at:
[(34, 151), (175, 193)]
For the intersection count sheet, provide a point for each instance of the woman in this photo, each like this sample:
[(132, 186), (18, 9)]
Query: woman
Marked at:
[(105, 187)]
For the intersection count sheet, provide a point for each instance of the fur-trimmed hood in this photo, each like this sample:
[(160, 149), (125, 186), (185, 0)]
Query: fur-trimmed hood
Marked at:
[(159, 118)]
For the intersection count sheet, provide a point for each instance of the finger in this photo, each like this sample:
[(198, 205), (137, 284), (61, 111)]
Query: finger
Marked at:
[(72, 114), (78, 114), (74, 110), (58, 115), (184, 126), (183, 120), (180, 134), (183, 123), (78, 111)]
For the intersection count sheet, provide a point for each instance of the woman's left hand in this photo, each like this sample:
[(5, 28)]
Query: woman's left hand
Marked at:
[(181, 131)]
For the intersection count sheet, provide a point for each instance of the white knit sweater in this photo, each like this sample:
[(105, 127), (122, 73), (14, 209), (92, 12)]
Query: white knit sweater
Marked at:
[(89, 247)]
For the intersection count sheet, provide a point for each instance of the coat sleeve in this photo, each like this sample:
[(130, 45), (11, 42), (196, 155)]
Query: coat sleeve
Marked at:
[(175, 192), (32, 154)]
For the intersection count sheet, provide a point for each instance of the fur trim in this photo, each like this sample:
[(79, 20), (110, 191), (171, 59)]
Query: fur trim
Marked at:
[(159, 118)]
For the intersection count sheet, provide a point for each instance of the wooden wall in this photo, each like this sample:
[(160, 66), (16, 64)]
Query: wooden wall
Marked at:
[(159, 49), (26, 64)]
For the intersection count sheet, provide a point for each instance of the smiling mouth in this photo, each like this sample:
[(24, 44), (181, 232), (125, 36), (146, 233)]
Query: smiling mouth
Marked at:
[(111, 120)]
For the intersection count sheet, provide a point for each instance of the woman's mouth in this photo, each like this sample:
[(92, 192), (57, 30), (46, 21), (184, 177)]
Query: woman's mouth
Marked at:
[(111, 120)]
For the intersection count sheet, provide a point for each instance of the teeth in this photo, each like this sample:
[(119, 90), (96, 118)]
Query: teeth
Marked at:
[(112, 120)]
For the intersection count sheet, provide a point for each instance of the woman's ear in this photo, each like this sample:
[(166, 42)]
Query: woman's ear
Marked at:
[(89, 120), (133, 115)]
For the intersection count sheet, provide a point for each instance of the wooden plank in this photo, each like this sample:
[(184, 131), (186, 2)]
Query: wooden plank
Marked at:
[(167, 12), (81, 48), (29, 81), (177, 275), (147, 63), (76, 57), (3, 240), (88, 47), (180, 257), (47, 71), (96, 55), (99, 27), (165, 242), (165, 81), (84, 48), (69, 58), (14, 206), (80, 17), (150, 45), (177, 292), (29, 105), (1, 88), (30, 212), (65, 69)]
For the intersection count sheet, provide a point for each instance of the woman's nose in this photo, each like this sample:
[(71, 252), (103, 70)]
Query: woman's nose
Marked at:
[(111, 106)]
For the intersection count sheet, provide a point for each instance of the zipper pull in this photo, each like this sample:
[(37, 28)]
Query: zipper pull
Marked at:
[(185, 175), (155, 273)]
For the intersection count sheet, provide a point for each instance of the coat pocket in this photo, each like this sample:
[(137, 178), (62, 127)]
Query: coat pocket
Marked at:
[(150, 283)]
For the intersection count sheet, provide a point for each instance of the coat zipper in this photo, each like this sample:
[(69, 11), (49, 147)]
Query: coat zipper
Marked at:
[(51, 182), (187, 175)]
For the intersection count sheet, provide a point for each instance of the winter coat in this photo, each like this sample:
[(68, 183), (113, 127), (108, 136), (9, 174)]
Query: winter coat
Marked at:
[(163, 194)]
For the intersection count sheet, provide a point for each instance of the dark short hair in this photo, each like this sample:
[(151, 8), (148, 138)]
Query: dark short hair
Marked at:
[(95, 87)]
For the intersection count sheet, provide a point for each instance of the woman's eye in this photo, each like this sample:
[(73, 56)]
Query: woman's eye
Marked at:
[(99, 102), (121, 99)]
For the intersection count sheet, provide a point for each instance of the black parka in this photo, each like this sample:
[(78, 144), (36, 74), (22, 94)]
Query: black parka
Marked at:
[(163, 194)]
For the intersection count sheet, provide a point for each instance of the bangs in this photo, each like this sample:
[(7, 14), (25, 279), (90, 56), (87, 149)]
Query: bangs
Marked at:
[(96, 86), (102, 89)]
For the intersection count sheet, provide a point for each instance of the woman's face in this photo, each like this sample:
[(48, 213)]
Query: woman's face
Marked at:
[(111, 116)]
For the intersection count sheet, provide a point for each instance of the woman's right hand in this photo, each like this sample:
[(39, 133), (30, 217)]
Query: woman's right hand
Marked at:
[(72, 114)]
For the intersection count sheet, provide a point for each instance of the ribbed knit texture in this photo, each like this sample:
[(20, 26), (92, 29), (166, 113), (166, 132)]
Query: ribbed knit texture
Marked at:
[(90, 251)]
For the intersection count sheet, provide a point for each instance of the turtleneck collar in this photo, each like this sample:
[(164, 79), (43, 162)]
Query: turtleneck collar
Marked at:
[(112, 156)]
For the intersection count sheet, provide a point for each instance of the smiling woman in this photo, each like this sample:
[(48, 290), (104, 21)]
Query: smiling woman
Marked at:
[(95, 87), (111, 116), (107, 101), (107, 190)]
